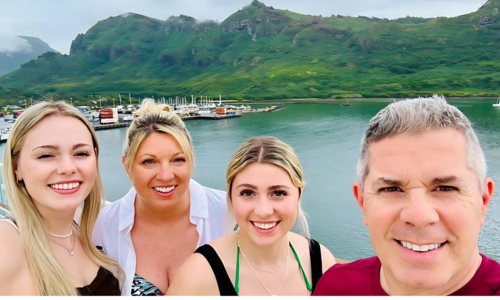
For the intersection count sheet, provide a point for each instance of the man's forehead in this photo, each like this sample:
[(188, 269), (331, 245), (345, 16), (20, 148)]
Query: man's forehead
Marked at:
[(427, 156), (446, 140)]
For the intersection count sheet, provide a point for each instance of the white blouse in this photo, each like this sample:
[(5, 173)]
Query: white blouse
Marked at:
[(208, 211)]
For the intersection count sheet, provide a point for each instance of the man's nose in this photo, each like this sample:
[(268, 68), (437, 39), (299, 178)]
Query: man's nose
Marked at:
[(419, 210)]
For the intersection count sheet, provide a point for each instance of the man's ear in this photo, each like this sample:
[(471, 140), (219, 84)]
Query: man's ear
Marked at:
[(358, 194), (488, 188), (126, 166)]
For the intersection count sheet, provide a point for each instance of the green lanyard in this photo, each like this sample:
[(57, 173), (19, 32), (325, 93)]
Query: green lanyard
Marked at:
[(237, 276)]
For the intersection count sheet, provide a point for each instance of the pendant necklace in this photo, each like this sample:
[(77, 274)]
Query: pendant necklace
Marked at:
[(70, 250), (251, 266)]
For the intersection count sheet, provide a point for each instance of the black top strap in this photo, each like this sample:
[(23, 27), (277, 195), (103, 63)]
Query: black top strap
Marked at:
[(226, 287), (316, 262)]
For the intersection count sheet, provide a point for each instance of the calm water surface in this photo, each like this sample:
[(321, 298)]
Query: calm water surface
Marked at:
[(326, 138)]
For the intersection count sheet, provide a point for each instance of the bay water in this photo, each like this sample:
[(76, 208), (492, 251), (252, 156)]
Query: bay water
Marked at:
[(326, 138)]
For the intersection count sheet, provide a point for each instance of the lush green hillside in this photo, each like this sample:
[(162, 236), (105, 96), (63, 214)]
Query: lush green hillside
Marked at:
[(260, 53)]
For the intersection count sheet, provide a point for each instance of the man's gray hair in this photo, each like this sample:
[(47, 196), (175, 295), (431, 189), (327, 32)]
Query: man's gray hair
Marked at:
[(417, 116)]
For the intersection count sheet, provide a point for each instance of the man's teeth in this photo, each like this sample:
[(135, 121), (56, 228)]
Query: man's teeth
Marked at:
[(65, 186), (165, 190), (265, 225), (420, 248)]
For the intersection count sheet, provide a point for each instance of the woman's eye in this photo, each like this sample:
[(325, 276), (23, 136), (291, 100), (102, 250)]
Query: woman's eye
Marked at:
[(179, 160), (391, 189), (45, 155), (246, 193), (279, 193), (82, 154), (446, 189), (148, 162)]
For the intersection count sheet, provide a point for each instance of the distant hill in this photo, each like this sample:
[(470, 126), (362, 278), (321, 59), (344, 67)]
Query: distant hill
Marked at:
[(17, 50), (262, 53)]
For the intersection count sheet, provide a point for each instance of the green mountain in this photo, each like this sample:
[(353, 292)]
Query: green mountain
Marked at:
[(262, 53), (17, 50)]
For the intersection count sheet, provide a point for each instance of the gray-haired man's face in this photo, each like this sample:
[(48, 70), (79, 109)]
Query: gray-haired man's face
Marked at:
[(424, 209)]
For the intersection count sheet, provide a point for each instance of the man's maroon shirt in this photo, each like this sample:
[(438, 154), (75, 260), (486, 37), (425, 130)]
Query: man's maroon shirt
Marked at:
[(362, 278)]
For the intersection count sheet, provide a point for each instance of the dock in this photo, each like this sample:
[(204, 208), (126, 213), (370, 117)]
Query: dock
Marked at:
[(110, 126), (217, 117)]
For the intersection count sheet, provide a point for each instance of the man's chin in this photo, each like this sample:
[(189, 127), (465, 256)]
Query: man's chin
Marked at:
[(422, 281)]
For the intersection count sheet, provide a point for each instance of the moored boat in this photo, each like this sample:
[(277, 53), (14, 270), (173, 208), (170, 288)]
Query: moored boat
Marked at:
[(498, 102)]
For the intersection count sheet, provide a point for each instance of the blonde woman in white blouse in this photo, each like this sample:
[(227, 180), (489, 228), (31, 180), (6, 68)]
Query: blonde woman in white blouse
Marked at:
[(166, 215)]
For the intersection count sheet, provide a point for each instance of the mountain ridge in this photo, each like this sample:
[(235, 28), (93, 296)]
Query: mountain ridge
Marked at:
[(262, 52)]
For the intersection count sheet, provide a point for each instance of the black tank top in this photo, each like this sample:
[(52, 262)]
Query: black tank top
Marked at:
[(226, 287)]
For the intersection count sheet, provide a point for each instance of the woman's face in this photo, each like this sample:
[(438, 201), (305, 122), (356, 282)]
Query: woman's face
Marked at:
[(57, 163), (265, 202), (160, 171)]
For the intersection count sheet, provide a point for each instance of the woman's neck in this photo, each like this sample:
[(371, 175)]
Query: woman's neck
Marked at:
[(146, 212), (57, 222), (262, 255)]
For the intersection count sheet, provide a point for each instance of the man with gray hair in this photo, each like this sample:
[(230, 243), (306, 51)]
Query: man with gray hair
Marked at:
[(424, 194)]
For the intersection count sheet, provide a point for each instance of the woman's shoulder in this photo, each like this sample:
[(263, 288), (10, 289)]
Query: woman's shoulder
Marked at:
[(214, 195), (199, 283), (13, 258), (303, 245), (112, 209)]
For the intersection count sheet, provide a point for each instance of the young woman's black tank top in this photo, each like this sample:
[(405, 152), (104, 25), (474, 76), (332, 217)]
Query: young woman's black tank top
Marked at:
[(226, 287)]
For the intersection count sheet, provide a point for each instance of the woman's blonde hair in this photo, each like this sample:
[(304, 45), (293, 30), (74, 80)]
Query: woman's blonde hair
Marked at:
[(271, 150), (151, 118), (50, 277)]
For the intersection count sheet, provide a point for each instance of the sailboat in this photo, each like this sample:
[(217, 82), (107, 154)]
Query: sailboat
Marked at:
[(498, 102)]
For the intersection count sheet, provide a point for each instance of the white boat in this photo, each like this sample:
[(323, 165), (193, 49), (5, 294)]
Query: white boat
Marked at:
[(4, 134), (204, 110), (128, 118), (89, 114), (498, 102)]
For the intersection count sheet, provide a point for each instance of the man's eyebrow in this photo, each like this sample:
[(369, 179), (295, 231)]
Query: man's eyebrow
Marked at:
[(388, 181), (444, 180), (247, 185), (76, 146), (55, 147)]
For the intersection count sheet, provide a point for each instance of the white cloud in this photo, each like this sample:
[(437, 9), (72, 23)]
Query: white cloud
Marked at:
[(13, 44)]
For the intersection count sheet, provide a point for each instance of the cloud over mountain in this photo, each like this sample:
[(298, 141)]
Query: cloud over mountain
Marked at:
[(14, 44)]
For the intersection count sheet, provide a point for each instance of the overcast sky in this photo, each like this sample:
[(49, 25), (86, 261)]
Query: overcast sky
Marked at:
[(57, 22)]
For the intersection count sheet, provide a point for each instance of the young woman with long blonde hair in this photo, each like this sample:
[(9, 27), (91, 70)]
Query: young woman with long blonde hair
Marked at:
[(264, 186), (50, 168)]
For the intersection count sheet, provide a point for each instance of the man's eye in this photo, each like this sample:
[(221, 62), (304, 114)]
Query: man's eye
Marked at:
[(45, 155), (391, 189), (246, 193), (446, 189), (279, 193), (148, 162)]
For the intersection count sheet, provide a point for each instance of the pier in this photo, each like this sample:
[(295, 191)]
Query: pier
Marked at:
[(109, 126)]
